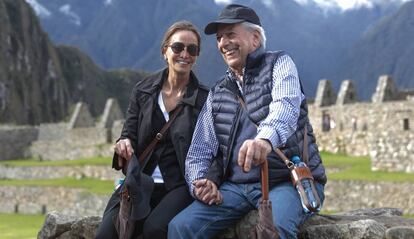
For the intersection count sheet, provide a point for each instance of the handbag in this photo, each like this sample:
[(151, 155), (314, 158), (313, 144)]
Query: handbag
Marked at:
[(135, 192)]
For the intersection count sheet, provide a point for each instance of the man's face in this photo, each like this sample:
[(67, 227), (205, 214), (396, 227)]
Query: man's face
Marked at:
[(235, 42)]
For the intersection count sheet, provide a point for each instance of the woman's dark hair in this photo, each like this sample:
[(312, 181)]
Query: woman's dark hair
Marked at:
[(179, 26)]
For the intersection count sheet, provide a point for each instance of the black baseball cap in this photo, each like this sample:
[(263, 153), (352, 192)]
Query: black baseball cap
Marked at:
[(233, 13)]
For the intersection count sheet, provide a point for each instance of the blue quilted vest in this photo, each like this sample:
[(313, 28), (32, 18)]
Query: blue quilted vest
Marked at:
[(257, 93)]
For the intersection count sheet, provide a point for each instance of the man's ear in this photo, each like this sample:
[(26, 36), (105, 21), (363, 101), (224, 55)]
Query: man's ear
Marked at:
[(256, 39)]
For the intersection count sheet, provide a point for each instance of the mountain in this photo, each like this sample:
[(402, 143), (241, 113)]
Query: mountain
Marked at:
[(39, 82), (388, 48), (127, 33)]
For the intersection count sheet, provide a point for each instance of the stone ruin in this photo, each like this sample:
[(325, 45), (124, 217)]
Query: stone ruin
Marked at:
[(380, 129), (81, 137)]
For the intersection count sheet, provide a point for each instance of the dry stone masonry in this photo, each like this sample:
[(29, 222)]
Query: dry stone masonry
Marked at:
[(381, 129), (81, 137), (380, 223)]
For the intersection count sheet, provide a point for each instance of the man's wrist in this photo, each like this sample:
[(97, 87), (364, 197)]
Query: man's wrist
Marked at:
[(268, 142)]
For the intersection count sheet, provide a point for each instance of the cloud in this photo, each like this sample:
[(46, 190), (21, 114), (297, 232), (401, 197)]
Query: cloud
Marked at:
[(223, 2), (65, 9)]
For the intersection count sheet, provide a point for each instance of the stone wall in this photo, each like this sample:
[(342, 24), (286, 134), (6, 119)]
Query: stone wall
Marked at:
[(340, 196), (382, 129), (50, 172), (392, 153), (15, 141), (76, 143), (373, 223), (36, 200), (79, 138), (348, 195), (52, 131)]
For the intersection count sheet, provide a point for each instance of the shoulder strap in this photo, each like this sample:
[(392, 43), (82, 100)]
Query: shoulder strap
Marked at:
[(159, 135), (305, 153)]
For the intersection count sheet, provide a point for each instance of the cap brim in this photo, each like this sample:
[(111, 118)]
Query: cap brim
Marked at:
[(211, 28)]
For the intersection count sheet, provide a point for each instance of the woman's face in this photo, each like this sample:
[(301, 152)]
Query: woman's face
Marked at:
[(181, 52)]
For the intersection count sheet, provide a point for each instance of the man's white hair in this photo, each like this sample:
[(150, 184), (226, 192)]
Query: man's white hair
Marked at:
[(253, 27)]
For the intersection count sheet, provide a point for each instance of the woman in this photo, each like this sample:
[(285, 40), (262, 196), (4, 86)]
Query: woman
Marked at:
[(153, 100)]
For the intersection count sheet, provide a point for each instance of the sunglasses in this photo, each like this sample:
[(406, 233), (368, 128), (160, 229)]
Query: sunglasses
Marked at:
[(178, 47)]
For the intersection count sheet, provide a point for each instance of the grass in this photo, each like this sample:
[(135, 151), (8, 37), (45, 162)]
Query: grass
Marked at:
[(13, 226), (359, 168), (103, 187), (78, 162), (20, 226)]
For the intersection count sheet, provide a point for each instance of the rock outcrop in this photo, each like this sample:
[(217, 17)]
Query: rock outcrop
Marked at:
[(377, 223)]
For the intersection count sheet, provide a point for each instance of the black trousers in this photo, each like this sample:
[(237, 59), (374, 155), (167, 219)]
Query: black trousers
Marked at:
[(165, 205)]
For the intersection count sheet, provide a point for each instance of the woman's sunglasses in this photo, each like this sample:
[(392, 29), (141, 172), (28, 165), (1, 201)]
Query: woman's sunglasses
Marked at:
[(178, 47)]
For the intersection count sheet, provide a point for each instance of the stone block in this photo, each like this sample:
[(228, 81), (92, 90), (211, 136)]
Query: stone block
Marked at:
[(400, 233), (347, 93), (325, 95), (385, 90), (112, 112), (81, 117), (56, 224)]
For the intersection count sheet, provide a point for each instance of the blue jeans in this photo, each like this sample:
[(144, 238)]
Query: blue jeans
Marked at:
[(200, 220)]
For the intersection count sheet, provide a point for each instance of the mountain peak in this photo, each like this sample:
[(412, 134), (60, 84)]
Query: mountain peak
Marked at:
[(39, 9)]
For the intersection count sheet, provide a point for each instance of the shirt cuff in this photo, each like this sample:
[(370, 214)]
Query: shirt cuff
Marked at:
[(192, 187), (271, 135)]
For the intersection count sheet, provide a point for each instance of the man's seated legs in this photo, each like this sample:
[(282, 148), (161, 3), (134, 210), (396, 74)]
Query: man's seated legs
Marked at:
[(287, 209), (200, 220)]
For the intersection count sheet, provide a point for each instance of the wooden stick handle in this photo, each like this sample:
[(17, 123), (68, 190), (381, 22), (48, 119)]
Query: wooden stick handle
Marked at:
[(265, 181)]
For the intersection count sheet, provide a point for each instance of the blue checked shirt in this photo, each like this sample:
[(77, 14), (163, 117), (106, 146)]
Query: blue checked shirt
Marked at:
[(276, 127)]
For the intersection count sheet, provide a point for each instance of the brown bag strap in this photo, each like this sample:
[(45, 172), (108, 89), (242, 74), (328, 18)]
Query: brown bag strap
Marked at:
[(305, 155), (159, 135)]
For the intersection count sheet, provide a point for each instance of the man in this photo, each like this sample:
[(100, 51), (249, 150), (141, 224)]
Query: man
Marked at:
[(268, 82)]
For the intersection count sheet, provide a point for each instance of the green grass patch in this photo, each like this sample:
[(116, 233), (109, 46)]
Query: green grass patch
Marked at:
[(103, 187), (78, 162), (359, 168), (20, 226)]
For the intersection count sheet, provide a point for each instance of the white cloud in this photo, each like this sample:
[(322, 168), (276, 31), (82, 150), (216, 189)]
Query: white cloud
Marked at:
[(74, 17), (108, 2), (346, 4), (223, 2), (39, 9)]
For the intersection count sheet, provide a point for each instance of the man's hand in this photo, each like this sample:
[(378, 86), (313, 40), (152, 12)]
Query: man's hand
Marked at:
[(124, 150), (253, 150), (206, 191)]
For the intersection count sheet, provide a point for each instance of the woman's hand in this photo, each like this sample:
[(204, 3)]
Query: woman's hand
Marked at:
[(124, 150)]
